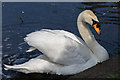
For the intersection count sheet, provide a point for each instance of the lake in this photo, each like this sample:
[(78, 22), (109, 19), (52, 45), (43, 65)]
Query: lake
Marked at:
[(20, 19)]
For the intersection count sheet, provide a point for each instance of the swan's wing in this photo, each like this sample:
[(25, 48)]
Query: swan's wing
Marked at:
[(64, 33), (58, 48)]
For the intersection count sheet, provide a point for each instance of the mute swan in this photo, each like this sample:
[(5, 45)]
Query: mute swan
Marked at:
[(63, 52)]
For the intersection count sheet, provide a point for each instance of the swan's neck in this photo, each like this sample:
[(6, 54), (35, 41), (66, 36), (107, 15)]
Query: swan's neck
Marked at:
[(86, 34), (100, 53)]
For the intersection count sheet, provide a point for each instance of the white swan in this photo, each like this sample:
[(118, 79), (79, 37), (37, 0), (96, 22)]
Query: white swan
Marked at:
[(63, 52)]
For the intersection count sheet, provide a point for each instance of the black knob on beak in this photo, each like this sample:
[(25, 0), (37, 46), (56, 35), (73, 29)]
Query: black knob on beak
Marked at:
[(98, 25)]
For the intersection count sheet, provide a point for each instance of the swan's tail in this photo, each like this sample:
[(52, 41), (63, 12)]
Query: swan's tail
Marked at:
[(17, 68), (32, 66)]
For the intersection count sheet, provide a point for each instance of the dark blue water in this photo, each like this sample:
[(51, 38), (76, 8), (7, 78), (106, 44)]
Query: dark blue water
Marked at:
[(19, 19)]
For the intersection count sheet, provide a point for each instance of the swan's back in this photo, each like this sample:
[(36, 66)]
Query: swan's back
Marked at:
[(59, 33)]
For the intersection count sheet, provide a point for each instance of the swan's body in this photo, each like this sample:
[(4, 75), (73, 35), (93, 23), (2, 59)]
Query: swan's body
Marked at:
[(63, 52)]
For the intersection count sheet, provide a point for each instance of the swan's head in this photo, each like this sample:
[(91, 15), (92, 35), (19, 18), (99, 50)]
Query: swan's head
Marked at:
[(89, 17)]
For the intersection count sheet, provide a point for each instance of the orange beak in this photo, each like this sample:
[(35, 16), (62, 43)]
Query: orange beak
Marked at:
[(97, 29)]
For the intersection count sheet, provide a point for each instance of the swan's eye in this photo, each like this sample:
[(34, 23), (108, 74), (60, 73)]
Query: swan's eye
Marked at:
[(97, 23)]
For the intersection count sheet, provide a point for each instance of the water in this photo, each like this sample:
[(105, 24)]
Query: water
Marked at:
[(36, 16)]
